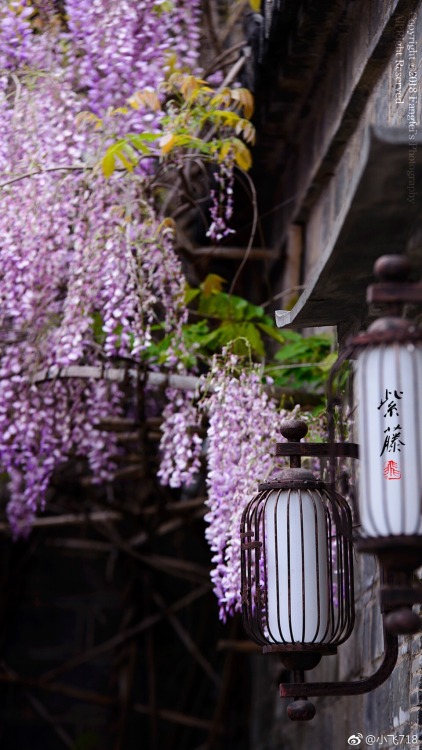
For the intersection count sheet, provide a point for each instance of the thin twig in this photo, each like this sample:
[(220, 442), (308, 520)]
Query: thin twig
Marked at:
[(221, 60), (231, 75), (213, 24), (284, 293), (46, 716), (34, 172), (253, 230), (232, 21), (71, 519)]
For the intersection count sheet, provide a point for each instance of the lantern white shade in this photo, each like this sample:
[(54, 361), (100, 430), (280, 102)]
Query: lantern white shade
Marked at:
[(296, 567), (388, 390)]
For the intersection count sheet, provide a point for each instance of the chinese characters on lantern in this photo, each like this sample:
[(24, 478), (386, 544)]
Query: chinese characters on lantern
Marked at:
[(392, 431)]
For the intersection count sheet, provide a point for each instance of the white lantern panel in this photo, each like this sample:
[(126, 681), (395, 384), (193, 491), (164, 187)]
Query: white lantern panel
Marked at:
[(297, 567), (389, 421)]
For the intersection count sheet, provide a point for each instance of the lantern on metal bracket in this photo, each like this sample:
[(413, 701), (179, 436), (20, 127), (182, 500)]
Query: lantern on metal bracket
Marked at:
[(297, 566), (388, 402), (297, 573)]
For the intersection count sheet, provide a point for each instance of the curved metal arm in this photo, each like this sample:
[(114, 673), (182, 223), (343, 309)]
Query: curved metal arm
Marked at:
[(314, 689)]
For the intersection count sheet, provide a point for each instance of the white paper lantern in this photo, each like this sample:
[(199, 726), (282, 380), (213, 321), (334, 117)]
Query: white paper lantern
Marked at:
[(389, 420), (297, 529)]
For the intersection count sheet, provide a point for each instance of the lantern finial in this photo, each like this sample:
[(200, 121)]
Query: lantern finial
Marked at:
[(293, 429), (392, 268)]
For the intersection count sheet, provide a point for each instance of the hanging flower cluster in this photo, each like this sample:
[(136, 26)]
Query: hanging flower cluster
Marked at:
[(241, 438), (180, 443), (87, 270), (221, 209), (117, 48)]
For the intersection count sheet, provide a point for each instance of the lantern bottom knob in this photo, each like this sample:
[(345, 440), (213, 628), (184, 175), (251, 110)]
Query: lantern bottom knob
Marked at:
[(301, 710), (402, 621)]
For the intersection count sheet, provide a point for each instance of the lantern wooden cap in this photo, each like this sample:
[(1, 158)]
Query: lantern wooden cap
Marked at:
[(392, 268)]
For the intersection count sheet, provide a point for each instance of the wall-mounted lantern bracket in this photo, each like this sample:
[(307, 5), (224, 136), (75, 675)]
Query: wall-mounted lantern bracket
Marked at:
[(300, 691)]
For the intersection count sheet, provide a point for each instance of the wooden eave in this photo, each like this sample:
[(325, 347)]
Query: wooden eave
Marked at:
[(381, 220)]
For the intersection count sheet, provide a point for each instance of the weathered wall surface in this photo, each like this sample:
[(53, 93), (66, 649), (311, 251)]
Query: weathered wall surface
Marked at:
[(347, 67), (395, 102)]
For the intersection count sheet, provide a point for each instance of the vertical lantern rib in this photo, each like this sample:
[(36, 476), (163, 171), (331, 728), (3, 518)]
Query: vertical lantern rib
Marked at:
[(345, 582), (250, 579), (280, 630), (342, 608), (349, 582), (255, 571), (333, 608), (317, 566), (353, 433), (344, 577), (265, 624), (289, 581), (330, 571), (247, 581), (245, 572), (338, 606), (348, 577), (302, 559), (261, 591)]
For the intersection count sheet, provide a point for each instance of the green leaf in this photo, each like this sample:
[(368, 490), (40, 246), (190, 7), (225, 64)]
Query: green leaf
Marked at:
[(97, 327), (138, 142), (328, 362), (305, 349), (294, 350), (120, 150), (275, 333), (191, 294), (231, 331), (216, 305), (147, 137), (255, 312)]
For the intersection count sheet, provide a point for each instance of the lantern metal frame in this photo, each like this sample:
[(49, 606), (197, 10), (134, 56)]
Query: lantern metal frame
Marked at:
[(301, 656), (398, 554)]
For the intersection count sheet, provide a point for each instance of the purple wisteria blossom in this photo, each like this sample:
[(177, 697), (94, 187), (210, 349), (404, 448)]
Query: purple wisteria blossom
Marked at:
[(180, 444), (15, 35), (221, 209), (241, 437), (86, 267)]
